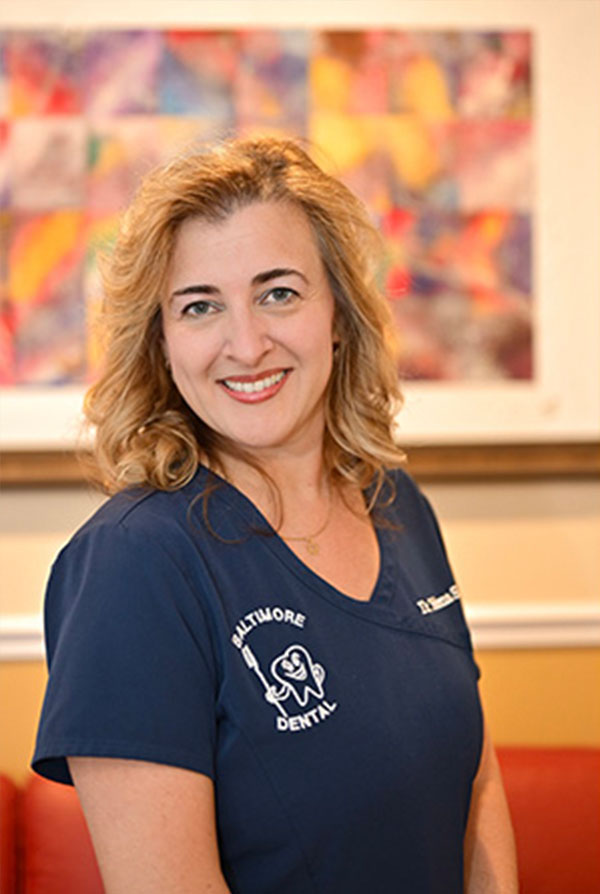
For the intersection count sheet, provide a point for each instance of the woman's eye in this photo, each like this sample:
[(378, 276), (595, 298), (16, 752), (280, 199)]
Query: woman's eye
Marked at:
[(279, 295), (198, 309)]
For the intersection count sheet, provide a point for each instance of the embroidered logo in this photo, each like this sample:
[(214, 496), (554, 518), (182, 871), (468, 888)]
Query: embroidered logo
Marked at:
[(435, 603), (298, 674), (295, 680)]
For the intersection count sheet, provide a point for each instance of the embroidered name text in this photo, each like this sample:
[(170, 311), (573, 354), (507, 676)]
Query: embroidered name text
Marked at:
[(265, 615), (298, 722), (435, 603)]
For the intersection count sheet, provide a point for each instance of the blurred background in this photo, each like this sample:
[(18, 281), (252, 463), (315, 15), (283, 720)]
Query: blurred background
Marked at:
[(472, 132)]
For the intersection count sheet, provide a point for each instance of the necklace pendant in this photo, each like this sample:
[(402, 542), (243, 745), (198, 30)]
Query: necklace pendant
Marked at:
[(312, 547)]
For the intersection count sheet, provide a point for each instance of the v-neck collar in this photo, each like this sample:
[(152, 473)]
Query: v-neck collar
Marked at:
[(383, 591), (393, 600)]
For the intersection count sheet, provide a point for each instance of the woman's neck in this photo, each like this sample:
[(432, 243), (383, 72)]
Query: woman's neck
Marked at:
[(290, 481)]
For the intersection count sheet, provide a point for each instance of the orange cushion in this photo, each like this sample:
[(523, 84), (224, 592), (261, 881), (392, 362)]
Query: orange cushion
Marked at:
[(8, 836)]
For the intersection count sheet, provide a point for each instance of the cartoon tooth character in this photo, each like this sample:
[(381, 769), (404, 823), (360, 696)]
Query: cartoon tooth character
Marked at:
[(298, 675)]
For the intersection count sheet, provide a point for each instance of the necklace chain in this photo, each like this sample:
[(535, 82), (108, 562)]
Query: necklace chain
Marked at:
[(309, 540)]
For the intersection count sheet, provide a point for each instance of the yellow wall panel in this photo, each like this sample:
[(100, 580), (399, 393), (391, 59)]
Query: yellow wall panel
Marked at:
[(542, 696), (21, 691)]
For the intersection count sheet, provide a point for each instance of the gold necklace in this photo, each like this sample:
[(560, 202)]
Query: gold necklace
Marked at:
[(309, 539)]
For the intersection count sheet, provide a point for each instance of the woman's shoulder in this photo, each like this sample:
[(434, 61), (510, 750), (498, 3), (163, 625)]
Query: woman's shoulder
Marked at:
[(401, 489), (140, 515), (138, 543), (406, 504), (402, 478)]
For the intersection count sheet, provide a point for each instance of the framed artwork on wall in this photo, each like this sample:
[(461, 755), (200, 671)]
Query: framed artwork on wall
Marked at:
[(450, 126)]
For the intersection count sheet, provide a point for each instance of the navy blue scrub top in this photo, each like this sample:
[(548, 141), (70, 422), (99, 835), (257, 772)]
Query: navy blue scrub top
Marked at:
[(342, 736)]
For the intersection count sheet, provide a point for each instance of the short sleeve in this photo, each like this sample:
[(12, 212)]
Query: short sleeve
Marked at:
[(131, 667)]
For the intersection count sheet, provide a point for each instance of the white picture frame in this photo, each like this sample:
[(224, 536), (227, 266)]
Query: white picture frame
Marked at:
[(562, 404)]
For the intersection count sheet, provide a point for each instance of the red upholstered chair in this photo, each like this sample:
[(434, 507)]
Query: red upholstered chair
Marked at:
[(56, 850), (554, 799), (8, 836)]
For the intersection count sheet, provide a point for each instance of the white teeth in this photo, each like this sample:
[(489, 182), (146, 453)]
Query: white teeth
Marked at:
[(253, 387)]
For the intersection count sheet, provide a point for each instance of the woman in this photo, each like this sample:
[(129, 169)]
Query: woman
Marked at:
[(260, 675)]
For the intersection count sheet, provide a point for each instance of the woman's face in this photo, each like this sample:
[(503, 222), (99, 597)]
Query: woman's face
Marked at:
[(248, 327)]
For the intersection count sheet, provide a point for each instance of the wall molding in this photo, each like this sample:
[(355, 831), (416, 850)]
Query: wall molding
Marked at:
[(21, 638), (534, 625), (442, 462)]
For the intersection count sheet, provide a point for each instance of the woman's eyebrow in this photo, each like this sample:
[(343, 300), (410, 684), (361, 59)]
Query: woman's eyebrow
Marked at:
[(260, 278), (276, 273), (195, 290)]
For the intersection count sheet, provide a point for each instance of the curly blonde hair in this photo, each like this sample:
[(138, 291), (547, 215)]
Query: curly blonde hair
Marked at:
[(145, 434)]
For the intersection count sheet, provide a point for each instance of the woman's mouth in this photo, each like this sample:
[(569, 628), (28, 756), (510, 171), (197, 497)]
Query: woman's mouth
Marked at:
[(251, 389)]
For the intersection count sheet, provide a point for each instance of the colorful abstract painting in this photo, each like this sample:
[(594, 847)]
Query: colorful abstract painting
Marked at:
[(432, 129)]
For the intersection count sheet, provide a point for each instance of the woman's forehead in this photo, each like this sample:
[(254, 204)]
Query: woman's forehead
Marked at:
[(272, 233)]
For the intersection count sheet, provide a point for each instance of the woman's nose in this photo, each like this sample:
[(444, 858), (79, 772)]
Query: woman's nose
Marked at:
[(246, 337)]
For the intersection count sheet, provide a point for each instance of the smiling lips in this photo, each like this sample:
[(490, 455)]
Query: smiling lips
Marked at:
[(252, 389)]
